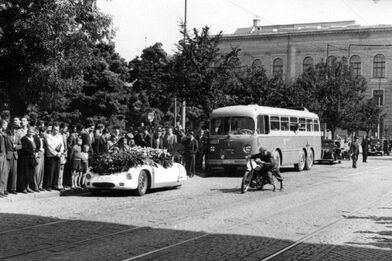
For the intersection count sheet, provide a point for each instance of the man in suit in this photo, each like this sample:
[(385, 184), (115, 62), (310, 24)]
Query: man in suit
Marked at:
[(3, 155), (354, 151), (13, 145), (190, 149), (88, 138), (365, 144)]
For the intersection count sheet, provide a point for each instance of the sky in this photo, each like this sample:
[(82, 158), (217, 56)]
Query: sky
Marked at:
[(142, 23)]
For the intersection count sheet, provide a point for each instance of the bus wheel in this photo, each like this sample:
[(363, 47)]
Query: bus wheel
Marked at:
[(301, 161), (277, 158), (309, 160)]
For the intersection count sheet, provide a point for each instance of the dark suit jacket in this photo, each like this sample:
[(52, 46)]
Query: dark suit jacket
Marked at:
[(87, 141), (190, 146), (354, 148), (99, 145), (27, 147), (11, 152)]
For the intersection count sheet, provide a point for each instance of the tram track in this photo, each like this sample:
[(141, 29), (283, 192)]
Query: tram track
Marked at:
[(182, 218), (65, 246), (279, 252)]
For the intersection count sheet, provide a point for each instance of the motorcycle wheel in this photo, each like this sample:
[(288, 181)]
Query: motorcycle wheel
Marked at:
[(246, 180)]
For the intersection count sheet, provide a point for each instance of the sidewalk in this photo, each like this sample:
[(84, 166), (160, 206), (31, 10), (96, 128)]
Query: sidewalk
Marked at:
[(40, 195)]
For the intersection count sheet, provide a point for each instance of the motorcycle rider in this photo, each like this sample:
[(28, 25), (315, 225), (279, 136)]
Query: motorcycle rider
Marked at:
[(267, 162)]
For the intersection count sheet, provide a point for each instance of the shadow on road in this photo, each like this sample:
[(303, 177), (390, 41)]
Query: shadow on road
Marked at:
[(26, 237), (380, 239)]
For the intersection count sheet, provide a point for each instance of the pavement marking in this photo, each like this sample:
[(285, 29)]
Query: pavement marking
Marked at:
[(302, 239)]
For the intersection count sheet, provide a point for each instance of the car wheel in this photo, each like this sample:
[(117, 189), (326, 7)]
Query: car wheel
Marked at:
[(309, 160), (142, 183)]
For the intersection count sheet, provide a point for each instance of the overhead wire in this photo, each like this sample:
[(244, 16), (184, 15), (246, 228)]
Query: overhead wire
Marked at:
[(249, 12), (354, 12)]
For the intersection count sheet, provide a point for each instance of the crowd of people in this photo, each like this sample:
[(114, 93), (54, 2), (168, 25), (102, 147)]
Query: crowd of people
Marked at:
[(36, 156)]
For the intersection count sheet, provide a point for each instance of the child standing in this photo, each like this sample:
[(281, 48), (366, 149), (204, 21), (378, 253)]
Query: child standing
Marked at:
[(76, 158), (84, 164)]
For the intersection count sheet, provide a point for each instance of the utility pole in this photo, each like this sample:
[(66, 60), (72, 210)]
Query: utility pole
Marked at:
[(184, 102)]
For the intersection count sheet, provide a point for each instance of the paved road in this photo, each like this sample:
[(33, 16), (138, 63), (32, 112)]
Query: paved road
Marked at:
[(332, 212)]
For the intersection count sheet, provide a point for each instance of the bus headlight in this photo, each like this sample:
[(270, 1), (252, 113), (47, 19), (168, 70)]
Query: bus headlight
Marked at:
[(212, 148), (247, 149)]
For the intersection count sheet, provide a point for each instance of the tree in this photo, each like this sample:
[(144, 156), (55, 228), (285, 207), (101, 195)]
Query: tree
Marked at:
[(105, 93), (194, 67), (332, 91), (153, 90), (44, 48)]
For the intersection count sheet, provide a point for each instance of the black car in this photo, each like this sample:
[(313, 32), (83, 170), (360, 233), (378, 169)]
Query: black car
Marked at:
[(375, 147)]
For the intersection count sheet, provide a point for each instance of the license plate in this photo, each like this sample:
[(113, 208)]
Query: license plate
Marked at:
[(227, 161)]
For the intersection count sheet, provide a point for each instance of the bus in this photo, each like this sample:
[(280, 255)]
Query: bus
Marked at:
[(292, 135)]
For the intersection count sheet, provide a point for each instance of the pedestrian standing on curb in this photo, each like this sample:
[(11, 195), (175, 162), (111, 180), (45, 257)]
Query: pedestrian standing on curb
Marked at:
[(28, 161), (365, 145), (40, 150), (3, 159), (190, 149), (13, 146), (54, 149), (354, 151)]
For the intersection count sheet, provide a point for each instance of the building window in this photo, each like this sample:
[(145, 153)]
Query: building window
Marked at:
[(379, 66), (355, 62), (257, 64), (379, 96), (307, 63), (277, 67)]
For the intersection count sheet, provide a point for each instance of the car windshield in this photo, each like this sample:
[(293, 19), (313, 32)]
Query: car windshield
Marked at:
[(232, 125)]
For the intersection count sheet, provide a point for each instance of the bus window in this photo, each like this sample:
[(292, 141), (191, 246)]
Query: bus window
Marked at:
[(302, 124), (220, 126), (260, 124), (284, 123), (275, 123), (309, 124), (316, 125), (293, 123), (242, 125)]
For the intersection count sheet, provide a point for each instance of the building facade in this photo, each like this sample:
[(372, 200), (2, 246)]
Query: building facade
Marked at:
[(289, 49)]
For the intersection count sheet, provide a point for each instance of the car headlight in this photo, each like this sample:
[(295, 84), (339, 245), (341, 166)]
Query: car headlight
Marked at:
[(247, 148), (88, 176), (129, 176)]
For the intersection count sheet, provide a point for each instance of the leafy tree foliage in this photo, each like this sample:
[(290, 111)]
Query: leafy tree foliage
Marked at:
[(44, 48), (153, 88), (105, 93)]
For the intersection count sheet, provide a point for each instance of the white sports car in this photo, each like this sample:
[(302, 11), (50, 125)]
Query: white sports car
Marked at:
[(140, 179)]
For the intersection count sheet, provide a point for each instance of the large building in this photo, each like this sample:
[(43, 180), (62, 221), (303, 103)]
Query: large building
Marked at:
[(288, 49)]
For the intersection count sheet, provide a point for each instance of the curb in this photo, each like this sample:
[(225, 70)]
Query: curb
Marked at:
[(41, 195)]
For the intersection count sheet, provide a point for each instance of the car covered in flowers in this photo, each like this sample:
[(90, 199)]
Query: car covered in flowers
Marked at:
[(136, 168)]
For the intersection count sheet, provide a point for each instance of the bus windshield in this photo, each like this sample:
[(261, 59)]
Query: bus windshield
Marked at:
[(232, 125)]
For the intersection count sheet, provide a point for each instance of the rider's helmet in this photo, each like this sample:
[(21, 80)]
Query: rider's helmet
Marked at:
[(262, 149)]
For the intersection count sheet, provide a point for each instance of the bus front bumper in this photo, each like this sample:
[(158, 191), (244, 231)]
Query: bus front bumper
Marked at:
[(225, 162)]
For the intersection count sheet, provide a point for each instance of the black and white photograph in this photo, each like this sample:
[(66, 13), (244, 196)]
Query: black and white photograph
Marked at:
[(236, 130)]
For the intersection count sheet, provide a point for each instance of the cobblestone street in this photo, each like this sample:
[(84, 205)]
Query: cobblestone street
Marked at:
[(332, 212)]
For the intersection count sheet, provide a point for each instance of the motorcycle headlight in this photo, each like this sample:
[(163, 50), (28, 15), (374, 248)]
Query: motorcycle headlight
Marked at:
[(129, 176), (212, 148), (247, 148)]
